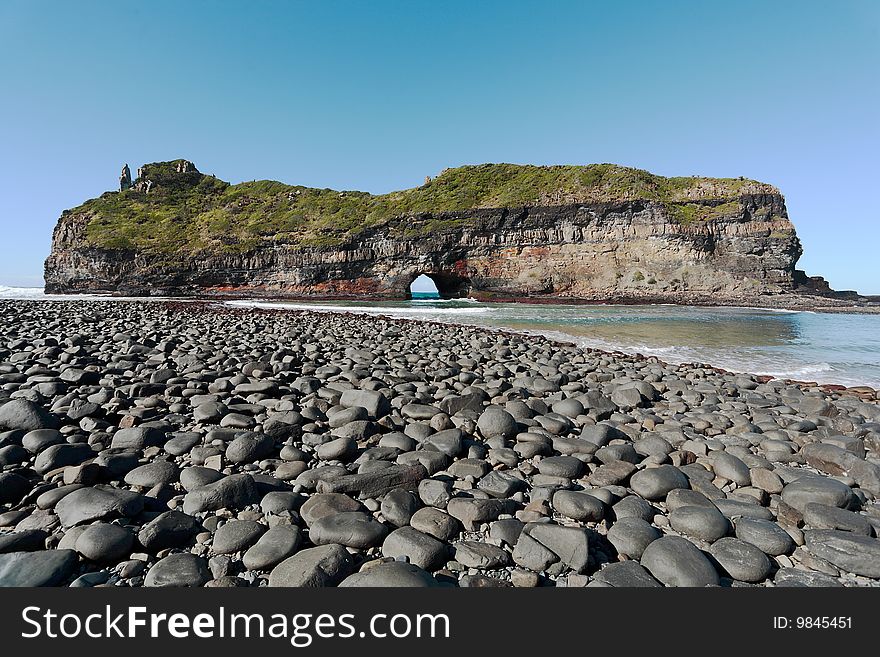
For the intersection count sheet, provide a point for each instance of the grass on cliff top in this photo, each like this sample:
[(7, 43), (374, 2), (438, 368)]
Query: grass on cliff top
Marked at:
[(191, 212)]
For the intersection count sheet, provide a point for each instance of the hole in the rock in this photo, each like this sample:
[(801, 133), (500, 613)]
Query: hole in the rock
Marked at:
[(423, 288)]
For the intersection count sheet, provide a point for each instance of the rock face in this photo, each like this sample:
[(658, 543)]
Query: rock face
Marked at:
[(493, 232)]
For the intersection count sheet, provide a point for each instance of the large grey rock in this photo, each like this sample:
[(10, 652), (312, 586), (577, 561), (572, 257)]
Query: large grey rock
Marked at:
[(373, 401), (703, 522), (236, 535), (578, 506), (58, 456), (480, 555), (152, 474), (741, 560), (40, 568), (630, 536), (626, 574), (850, 552), (13, 487), (249, 447), (135, 438), (541, 545), (25, 415), (421, 549), (822, 490), (93, 503), (232, 492), (168, 530), (675, 561), (436, 523), (326, 565), (655, 483), (567, 467), (273, 547), (322, 505), (394, 574), (765, 535), (351, 529), (104, 542), (495, 422), (376, 483), (180, 570), (733, 468), (823, 516)]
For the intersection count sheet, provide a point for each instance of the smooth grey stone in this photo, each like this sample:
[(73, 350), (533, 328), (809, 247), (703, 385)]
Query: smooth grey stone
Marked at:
[(472, 511), (398, 506), (58, 456), (436, 523), (168, 530), (738, 509), (27, 540), (675, 561), (338, 449), (567, 467), (280, 501), (232, 492), (686, 497), (25, 415), (236, 535), (655, 483), (136, 438), (93, 503), (375, 403), (822, 516), (766, 535), (800, 578), (92, 579), (273, 547), (38, 440), (352, 529), (249, 447), (741, 560), (568, 545), (476, 554), (822, 490), (326, 565), (495, 422), (630, 536), (732, 468), (104, 542), (152, 474), (601, 434), (578, 506), (40, 568), (706, 523), (322, 505), (850, 552), (499, 483), (423, 550), (634, 507), (394, 574), (448, 442), (182, 443), (197, 476), (626, 574), (507, 530), (179, 570), (435, 492), (13, 455)]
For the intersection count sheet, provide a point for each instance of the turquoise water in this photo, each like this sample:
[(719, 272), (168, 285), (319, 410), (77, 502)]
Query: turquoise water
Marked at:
[(827, 348), (822, 347)]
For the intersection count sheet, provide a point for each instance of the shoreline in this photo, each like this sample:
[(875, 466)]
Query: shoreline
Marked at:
[(198, 444)]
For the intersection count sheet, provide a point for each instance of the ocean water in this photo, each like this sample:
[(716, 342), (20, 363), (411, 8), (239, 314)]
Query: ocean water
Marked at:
[(839, 348)]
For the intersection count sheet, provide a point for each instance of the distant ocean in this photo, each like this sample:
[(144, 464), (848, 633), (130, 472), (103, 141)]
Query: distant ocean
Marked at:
[(829, 348)]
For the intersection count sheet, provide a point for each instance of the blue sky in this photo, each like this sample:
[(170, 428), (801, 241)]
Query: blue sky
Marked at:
[(376, 95)]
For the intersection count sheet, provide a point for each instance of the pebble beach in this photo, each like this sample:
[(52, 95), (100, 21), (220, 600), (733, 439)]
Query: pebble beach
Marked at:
[(154, 443)]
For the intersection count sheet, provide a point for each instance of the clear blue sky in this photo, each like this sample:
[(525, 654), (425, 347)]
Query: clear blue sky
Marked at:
[(376, 95)]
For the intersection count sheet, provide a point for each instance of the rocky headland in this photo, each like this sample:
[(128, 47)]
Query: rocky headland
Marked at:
[(597, 233), (184, 444)]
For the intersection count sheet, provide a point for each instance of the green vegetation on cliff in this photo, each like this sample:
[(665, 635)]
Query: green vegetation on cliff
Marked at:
[(169, 211)]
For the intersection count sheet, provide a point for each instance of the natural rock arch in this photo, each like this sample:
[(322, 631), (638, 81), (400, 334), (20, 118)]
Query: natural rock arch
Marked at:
[(450, 285)]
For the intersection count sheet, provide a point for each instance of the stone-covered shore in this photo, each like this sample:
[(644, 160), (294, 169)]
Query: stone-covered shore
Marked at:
[(185, 444)]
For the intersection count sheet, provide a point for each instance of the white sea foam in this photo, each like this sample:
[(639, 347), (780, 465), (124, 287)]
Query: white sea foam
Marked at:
[(369, 310), (11, 292)]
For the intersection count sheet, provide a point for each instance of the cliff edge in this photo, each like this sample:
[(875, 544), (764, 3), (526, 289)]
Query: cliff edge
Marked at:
[(599, 232)]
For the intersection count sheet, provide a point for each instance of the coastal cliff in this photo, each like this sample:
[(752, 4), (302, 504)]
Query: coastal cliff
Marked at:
[(493, 232)]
